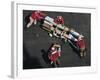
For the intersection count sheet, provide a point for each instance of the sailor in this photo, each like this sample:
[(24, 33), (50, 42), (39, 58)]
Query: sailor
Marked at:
[(35, 16), (55, 53), (59, 20)]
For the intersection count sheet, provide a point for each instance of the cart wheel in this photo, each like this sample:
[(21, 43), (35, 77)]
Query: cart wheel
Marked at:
[(50, 35)]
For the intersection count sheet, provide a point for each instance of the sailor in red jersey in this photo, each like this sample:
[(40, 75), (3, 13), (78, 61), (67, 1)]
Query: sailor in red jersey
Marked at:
[(35, 16), (76, 37), (55, 53), (81, 44), (59, 20), (38, 15)]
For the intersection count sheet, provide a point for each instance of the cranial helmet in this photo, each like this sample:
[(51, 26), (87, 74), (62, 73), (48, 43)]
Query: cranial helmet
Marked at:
[(59, 17), (52, 48), (59, 20)]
